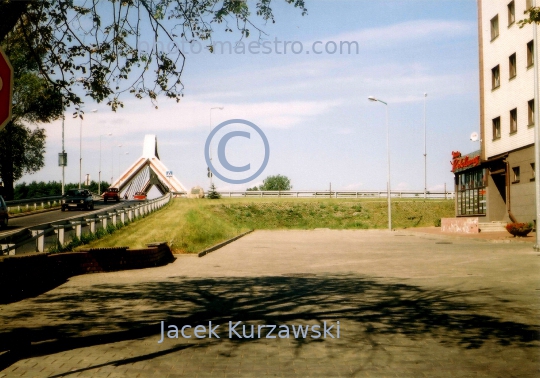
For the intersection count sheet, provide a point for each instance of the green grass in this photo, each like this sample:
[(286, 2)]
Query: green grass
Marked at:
[(190, 226), (187, 225), (331, 213)]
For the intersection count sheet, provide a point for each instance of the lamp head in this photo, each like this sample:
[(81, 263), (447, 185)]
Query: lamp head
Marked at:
[(371, 98)]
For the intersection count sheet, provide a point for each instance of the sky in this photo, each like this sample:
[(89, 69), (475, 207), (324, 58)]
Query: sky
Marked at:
[(312, 105)]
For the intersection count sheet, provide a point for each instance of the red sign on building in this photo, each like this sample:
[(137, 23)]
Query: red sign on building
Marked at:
[(6, 89), (460, 163)]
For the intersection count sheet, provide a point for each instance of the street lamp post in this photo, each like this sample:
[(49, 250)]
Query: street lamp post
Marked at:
[(371, 98), (79, 111), (99, 175), (210, 152), (63, 150), (112, 165), (425, 149)]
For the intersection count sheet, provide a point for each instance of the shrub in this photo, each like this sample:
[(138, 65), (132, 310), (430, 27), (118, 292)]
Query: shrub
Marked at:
[(110, 228), (212, 193), (437, 222)]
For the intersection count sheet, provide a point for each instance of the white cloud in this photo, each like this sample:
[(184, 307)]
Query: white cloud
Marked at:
[(355, 186), (402, 186), (439, 188), (417, 30), (189, 114)]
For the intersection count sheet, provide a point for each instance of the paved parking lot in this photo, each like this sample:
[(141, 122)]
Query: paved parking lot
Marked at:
[(408, 305)]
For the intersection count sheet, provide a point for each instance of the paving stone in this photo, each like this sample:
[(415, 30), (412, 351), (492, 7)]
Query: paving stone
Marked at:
[(407, 307)]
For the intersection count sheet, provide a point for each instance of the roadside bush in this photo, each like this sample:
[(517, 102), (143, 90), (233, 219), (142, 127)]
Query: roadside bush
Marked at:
[(212, 193)]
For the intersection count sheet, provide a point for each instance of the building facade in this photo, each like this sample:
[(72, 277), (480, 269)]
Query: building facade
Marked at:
[(499, 184)]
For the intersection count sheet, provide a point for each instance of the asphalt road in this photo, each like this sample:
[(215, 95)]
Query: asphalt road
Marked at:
[(55, 216)]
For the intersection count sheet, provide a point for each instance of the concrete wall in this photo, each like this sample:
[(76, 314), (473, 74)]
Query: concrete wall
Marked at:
[(496, 206), (26, 275), (466, 225), (522, 199)]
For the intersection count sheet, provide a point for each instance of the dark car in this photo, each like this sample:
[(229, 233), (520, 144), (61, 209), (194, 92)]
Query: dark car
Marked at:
[(77, 199), (3, 213)]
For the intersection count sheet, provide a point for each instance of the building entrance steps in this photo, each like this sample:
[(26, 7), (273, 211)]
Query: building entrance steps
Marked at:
[(495, 226)]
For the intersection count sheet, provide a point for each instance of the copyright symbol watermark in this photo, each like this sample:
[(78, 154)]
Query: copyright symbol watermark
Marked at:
[(223, 137)]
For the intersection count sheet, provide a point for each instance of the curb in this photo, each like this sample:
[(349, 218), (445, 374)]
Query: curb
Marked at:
[(223, 244), (460, 238)]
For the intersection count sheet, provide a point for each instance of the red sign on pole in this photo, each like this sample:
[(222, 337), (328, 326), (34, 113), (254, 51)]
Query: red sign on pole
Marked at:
[(6, 89)]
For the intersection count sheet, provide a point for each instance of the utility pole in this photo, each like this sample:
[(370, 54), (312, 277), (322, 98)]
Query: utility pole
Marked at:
[(210, 152), (536, 132), (63, 151), (80, 149), (425, 149)]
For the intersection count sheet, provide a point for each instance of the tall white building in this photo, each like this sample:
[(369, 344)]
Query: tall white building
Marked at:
[(499, 184)]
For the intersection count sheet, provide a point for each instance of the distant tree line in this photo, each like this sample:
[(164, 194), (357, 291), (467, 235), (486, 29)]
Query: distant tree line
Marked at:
[(51, 188), (277, 182)]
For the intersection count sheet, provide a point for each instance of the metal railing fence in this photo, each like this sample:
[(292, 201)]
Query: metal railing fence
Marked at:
[(33, 203), (338, 194), (37, 238)]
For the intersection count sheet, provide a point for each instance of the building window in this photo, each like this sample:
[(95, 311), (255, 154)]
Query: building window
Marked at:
[(513, 121), (530, 108), (530, 54), (515, 175), (495, 77), (511, 13), (528, 4), (512, 66), (533, 172), (496, 128), (471, 192), (494, 27)]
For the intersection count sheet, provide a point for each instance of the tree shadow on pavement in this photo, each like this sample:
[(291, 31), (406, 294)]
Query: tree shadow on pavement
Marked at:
[(66, 319)]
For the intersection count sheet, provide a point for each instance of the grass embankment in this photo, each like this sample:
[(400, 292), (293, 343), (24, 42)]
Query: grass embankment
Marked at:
[(190, 226), (331, 213)]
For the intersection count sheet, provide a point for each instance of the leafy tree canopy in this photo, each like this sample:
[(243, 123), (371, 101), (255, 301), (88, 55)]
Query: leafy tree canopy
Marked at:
[(49, 189), (533, 16), (35, 100), (22, 153), (102, 45), (277, 182)]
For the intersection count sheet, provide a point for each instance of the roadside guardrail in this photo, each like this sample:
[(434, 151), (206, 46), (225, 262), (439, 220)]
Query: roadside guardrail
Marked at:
[(338, 194), (37, 238), (34, 203)]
